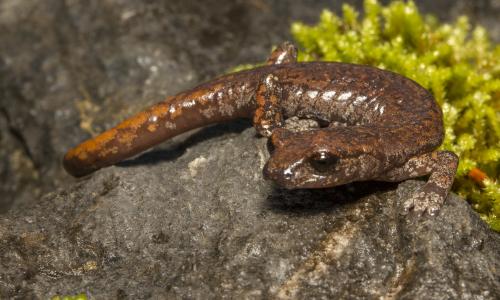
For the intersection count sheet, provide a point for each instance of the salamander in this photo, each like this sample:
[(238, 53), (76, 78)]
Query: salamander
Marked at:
[(372, 124)]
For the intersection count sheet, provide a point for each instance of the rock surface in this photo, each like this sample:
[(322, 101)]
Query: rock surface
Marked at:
[(70, 69), (196, 220), (193, 218)]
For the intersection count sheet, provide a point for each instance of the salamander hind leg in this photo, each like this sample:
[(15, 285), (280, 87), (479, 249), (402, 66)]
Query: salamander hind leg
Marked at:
[(268, 115), (283, 54), (441, 166)]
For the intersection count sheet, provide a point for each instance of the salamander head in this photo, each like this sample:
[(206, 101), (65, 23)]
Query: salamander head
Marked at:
[(309, 159)]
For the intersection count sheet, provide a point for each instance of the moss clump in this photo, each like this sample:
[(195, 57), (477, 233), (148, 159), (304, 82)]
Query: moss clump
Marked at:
[(456, 63), (459, 65), (82, 296)]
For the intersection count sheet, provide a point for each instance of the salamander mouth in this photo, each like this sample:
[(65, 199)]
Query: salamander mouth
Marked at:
[(288, 179), (278, 177)]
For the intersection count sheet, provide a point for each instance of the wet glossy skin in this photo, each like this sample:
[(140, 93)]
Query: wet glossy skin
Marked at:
[(370, 117), (375, 125)]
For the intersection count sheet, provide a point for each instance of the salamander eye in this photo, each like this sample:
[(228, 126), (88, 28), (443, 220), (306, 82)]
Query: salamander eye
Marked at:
[(323, 161)]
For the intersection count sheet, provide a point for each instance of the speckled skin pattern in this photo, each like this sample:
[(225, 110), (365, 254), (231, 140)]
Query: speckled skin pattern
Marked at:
[(373, 125)]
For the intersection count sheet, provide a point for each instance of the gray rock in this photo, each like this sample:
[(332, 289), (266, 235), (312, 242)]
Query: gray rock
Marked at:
[(70, 69), (195, 220)]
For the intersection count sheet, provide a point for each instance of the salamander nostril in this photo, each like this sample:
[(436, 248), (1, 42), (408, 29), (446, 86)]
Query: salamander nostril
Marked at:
[(323, 161), (267, 172)]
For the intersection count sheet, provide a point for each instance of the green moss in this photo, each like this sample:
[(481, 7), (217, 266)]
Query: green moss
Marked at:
[(457, 63), (82, 296)]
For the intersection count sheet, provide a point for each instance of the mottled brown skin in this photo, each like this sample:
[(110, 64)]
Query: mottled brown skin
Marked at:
[(375, 125)]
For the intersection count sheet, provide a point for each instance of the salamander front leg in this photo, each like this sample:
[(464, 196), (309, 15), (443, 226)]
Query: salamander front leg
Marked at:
[(441, 165)]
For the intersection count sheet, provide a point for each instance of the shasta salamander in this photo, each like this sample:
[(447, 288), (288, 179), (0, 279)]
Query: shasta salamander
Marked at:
[(373, 125)]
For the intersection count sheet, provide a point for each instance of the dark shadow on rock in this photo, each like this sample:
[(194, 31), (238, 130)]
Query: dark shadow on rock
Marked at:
[(172, 153), (314, 201), (6, 203)]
